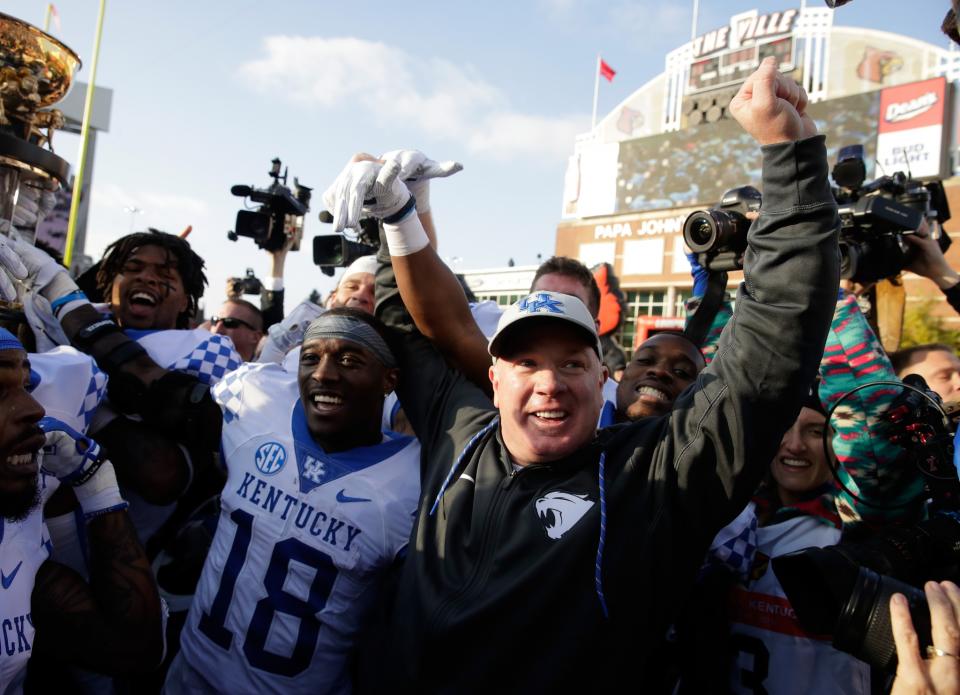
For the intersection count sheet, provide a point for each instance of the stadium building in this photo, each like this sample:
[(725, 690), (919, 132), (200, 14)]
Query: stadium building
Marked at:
[(671, 148)]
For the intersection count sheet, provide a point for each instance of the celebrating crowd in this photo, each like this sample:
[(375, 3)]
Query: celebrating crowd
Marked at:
[(406, 491)]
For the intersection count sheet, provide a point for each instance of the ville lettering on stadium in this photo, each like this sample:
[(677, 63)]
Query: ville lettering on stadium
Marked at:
[(744, 29)]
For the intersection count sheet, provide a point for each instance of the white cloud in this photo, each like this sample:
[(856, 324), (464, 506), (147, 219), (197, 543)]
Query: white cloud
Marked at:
[(443, 99), (114, 196), (669, 18)]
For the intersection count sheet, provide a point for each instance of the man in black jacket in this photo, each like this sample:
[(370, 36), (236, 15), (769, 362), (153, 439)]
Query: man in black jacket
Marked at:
[(545, 555)]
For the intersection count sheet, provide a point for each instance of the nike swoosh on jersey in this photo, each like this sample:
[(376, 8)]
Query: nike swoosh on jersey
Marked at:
[(5, 580), (343, 499)]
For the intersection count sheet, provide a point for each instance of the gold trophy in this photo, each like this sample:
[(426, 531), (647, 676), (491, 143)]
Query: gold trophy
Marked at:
[(36, 71)]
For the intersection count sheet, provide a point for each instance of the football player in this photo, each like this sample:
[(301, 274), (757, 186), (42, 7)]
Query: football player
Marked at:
[(318, 504), (113, 623)]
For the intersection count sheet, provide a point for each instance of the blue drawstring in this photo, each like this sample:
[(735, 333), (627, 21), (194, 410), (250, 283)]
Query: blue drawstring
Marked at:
[(456, 464), (598, 572)]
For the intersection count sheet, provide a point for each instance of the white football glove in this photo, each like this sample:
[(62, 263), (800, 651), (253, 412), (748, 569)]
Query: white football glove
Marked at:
[(46, 277), (77, 460), (416, 170), (368, 187), (68, 455), (47, 330), (11, 268)]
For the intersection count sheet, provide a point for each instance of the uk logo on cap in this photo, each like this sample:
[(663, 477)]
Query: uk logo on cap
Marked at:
[(540, 301)]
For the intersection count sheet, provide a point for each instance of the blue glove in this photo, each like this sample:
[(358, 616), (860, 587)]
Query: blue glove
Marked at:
[(700, 275)]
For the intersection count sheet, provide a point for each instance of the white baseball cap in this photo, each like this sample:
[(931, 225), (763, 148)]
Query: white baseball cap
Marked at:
[(546, 305), (364, 264)]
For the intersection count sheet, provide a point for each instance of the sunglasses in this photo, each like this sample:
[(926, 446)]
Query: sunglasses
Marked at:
[(230, 322)]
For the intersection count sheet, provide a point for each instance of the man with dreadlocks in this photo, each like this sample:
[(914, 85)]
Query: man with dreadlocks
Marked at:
[(152, 282)]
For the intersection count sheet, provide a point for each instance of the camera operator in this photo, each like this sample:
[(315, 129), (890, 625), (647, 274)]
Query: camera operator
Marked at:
[(937, 363), (930, 263), (271, 294), (242, 322), (530, 524)]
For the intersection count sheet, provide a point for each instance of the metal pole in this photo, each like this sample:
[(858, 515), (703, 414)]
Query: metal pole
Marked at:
[(693, 24), (84, 134), (46, 18), (596, 92)]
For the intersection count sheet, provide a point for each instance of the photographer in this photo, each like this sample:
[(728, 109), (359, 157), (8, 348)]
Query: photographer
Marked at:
[(271, 294), (531, 524), (930, 263), (938, 364)]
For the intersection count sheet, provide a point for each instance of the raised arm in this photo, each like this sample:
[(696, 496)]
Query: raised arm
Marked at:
[(770, 350), (430, 291)]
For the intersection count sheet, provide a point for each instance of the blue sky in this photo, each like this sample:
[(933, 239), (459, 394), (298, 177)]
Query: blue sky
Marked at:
[(207, 93)]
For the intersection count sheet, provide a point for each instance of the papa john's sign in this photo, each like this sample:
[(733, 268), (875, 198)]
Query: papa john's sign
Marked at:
[(910, 133)]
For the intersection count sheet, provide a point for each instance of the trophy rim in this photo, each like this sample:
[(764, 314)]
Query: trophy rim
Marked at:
[(49, 37)]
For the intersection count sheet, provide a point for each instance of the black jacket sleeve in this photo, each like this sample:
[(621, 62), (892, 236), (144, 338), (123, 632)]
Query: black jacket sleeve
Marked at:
[(953, 297), (271, 307), (723, 432)]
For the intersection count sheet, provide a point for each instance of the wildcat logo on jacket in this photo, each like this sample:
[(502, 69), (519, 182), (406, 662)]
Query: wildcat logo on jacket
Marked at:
[(560, 511)]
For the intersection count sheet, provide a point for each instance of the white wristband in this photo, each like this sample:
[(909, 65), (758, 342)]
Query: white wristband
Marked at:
[(406, 236), (100, 494)]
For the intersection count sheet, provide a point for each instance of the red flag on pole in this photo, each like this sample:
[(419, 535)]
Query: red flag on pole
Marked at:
[(606, 71)]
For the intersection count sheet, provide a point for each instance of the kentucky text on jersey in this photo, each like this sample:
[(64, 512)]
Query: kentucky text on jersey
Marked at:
[(13, 634), (278, 502)]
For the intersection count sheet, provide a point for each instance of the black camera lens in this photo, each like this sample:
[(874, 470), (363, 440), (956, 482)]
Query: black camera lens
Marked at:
[(700, 231), (864, 629), (715, 231), (849, 255)]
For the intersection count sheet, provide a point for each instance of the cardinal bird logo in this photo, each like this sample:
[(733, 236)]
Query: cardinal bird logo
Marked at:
[(876, 65)]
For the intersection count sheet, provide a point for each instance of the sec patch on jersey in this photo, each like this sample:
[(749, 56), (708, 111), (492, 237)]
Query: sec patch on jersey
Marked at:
[(270, 458)]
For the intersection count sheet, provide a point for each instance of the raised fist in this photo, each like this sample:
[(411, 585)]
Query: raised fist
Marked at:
[(772, 107)]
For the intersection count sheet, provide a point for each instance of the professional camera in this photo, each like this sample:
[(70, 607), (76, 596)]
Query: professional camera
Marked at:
[(875, 217), (248, 284), (331, 251), (844, 590), (279, 215), (718, 236)]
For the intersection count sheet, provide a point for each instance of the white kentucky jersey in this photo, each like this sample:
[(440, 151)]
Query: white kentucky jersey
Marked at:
[(24, 546), (773, 653), (300, 547), (68, 384), (198, 352)]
